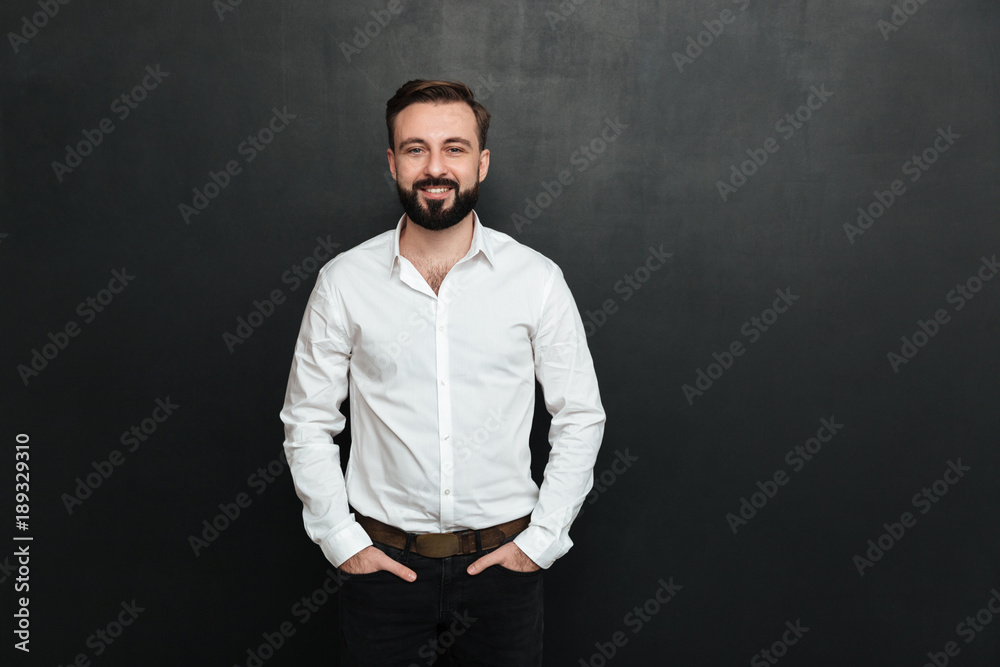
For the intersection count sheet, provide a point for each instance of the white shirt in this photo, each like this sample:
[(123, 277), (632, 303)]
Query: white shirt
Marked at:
[(442, 394)]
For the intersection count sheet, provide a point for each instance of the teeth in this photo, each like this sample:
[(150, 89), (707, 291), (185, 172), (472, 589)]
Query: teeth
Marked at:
[(437, 190)]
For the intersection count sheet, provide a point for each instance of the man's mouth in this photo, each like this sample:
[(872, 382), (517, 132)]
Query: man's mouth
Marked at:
[(436, 192)]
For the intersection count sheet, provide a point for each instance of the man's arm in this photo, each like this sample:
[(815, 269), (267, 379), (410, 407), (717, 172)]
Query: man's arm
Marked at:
[(564, 368), (317, 385)]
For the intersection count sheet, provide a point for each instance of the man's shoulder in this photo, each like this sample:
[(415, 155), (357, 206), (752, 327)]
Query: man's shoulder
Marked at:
[(366, 256), (509, 250)]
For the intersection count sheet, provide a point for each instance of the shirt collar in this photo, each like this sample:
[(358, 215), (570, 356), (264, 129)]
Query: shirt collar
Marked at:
[(480, 242)]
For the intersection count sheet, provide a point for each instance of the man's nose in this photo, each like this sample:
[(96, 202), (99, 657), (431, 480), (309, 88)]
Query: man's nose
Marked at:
[(436, 165)]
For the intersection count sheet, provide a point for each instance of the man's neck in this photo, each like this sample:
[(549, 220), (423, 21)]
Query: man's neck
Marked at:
[(443, 245)]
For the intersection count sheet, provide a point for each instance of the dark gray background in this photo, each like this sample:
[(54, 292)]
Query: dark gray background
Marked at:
[(550, 84)]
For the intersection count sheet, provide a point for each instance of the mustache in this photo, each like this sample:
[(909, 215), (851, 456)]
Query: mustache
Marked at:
[(435, 183)]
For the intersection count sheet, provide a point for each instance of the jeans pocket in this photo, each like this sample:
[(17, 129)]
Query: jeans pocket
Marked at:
[(367, 576), (516, 573)]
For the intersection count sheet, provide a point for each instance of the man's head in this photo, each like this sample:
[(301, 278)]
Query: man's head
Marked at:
[(435, 92), (437, 137)]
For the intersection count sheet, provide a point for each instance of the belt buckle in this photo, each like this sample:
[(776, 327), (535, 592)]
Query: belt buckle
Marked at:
[(437, 545)]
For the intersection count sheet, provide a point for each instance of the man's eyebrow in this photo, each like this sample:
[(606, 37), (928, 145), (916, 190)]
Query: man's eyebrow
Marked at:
[(411, 140), (421, 142)]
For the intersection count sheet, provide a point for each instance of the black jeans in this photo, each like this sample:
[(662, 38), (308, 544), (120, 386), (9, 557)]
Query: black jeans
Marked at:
[(445, 617)]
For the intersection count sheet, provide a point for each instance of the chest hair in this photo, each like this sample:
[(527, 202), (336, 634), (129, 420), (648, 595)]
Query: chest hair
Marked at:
[(433, 272)]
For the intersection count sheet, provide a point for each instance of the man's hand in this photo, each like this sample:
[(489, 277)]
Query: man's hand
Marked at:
[(372, 559), (509, 555)]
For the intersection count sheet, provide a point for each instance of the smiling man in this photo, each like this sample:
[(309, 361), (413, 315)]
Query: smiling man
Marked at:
[(438, 330)]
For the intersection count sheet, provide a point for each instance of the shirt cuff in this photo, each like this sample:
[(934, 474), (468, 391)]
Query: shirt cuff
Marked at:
[(343, 544), (539, 545)]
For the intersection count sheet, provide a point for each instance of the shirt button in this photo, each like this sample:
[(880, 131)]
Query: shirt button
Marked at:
[(446, 437), (443, 383), (440, 328), (447, 492)]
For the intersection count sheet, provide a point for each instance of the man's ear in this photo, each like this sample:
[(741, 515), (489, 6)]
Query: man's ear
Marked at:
[(392, 162), (484, 164)]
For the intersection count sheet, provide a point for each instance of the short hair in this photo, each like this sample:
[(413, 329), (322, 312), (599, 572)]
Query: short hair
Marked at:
[(434, 92)]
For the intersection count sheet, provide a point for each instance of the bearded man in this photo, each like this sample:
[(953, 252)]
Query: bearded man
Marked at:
[(438, 330)]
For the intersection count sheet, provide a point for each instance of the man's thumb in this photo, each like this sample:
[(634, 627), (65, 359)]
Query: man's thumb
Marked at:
[(400, 570)]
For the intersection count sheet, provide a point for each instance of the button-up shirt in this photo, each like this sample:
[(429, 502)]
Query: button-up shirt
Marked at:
[(442, 391)]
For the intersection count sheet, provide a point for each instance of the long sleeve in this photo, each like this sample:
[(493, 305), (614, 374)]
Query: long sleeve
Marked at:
[(564, 368), (317, 385)]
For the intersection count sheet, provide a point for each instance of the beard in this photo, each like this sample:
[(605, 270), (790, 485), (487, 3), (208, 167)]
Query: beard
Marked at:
[(435, 216)]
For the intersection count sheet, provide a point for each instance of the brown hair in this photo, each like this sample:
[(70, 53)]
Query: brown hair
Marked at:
[(435, 92)]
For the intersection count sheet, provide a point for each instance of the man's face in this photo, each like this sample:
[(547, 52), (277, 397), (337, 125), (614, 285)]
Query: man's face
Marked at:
[(437, 163)]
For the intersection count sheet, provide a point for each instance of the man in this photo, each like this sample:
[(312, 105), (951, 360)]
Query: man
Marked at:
[(438, 330)]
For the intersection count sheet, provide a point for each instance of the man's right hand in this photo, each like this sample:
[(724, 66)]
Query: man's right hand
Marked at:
[(372, 559)]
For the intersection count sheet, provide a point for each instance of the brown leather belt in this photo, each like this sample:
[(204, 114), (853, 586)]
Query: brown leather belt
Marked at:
[(441, 545)]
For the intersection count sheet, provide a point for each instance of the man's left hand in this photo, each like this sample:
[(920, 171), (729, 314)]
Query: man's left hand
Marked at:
[(509, 556)]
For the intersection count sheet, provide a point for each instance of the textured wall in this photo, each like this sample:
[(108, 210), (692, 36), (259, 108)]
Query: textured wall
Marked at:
[(778, 220)]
